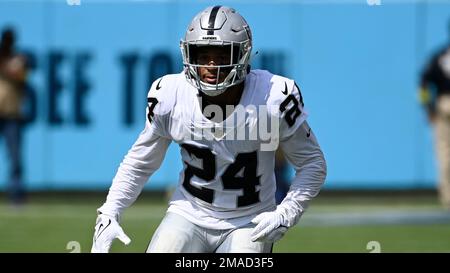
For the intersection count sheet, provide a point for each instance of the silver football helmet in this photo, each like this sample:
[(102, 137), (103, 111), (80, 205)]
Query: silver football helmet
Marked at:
[(222, 27)]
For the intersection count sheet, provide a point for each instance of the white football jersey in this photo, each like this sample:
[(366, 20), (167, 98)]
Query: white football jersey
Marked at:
[(228, 166)]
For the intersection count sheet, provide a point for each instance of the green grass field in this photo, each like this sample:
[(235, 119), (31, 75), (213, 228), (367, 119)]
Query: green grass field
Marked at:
[(332, 224)]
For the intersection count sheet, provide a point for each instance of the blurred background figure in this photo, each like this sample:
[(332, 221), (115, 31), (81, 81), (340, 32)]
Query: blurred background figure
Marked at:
[(434, 94), (12, 79)]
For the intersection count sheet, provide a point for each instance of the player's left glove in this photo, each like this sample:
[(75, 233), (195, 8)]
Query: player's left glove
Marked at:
[(271, 226)]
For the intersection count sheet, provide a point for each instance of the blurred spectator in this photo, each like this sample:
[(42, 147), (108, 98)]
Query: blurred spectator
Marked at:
[(12, 79), (434, 94)]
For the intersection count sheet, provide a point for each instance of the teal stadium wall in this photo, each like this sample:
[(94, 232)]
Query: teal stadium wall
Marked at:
[(357, 66)]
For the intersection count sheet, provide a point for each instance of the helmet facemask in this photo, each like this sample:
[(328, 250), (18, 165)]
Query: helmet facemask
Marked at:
[(235, 69)]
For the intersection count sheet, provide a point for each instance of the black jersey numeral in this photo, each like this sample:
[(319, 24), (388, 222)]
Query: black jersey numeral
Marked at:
[(247, 182), (293, 112), (247, 162), (206, 173), (151, 106)]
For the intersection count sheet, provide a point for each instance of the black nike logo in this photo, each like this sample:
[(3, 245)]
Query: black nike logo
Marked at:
[(285, 92), (100, 232), (309, 133), (158, 86)]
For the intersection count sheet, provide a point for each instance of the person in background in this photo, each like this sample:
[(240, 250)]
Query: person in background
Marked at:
[(12, 79), (434, 94)]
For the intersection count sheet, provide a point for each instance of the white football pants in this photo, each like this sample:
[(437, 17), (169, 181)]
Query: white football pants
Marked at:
[(176, 234)]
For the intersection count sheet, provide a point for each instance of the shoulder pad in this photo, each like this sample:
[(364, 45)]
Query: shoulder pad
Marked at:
[(286, 100), (163, 93), (280, 89)]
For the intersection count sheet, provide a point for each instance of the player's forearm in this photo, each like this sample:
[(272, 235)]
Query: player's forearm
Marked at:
[(303, 151), (144, 158), (126, 187), (306, 185)]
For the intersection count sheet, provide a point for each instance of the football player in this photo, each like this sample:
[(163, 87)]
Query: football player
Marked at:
[(215, 109)]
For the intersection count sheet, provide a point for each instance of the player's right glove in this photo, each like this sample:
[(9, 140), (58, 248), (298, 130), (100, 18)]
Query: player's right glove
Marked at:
[(106, 230), (269, 227), (272, 225)]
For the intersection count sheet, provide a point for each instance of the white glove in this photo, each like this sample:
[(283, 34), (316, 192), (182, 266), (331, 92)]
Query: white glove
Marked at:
[(271, 226), (106, 230)]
